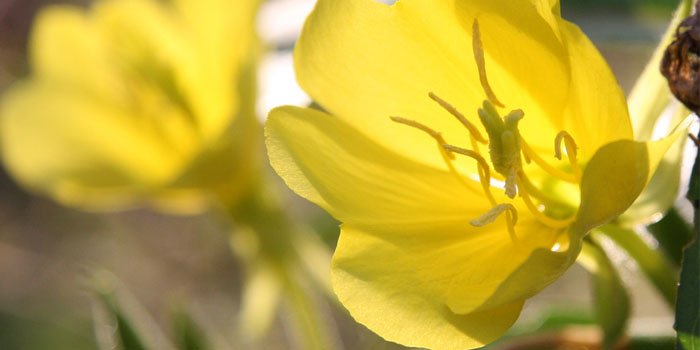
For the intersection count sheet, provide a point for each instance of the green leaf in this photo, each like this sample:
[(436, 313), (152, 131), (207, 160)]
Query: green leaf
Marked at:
[(654, 264), (128, 338), (688, 308), (612, 305), (188, 335), (672, 232)]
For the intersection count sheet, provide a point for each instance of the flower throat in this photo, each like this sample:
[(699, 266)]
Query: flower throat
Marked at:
[(506, 146)]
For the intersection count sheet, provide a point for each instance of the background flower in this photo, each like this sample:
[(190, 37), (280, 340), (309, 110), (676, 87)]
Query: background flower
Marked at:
[(135, 102)]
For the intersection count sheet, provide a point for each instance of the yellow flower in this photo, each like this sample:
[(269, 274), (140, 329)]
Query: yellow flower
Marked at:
[(136, 102), (433, 251)]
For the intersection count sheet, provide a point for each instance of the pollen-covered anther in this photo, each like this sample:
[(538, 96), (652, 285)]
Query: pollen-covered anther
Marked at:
[(434, 134), (494, 213), (473, 131)]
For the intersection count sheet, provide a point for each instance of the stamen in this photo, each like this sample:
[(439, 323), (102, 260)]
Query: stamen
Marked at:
[(478, 48), (494, 213), (536, 192), (484, 177), (539, 215), (528, 152), (412, 123), (473, 131), (447, 156), (570, 151), (483, 166)]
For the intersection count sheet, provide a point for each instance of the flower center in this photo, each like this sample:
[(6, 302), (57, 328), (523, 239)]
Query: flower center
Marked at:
[(507, 148)]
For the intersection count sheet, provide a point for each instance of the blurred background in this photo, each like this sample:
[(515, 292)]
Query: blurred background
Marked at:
[(49, 254)]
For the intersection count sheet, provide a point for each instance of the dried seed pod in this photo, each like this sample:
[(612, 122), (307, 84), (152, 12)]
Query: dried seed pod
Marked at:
[(681, 62)]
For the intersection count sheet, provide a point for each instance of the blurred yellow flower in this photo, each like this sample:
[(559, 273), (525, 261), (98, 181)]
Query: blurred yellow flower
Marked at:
[(136, 102), (442, 241)]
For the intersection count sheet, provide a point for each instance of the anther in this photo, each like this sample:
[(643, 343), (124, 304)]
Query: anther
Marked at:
[(412, 123), (469, 153), (571, 147), (447, 156), (473, 131), (478, 48), (494, 213)]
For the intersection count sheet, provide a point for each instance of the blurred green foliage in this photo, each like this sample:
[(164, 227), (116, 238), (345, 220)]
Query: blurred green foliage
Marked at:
[(188, 335), (672, 245), (26, 333)]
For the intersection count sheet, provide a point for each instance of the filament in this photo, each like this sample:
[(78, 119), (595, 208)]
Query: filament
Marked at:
[(473, 131), (478, 48), (483, 166), (564, 176), (447, 156), (539, 215)]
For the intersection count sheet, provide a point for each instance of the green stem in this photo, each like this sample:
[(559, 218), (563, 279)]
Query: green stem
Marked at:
[(687, 322), (306, 316), (279, 244), (611, 300)]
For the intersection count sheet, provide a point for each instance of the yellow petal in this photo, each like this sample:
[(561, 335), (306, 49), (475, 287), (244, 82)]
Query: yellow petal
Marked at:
[(421, 214), (662, 190), (152, 78), (171, 52), (384, 304), (224, 34), (79, 150), (596, 112), (415, 47), (65, 47), (223, 29), (616, 175), (326, 161), (550, 10)]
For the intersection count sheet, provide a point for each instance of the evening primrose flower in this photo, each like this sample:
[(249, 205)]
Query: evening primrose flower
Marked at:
[(468, 148), (136, 101)]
